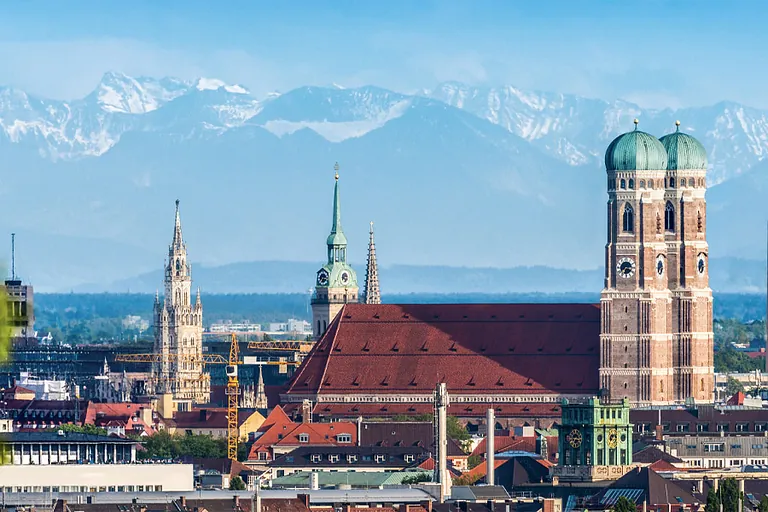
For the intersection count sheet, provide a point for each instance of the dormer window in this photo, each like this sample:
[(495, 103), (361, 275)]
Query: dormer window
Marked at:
[(315, 458), (344, 438), (333, 458), (379, 458), (409, 458), (351, 458), (303, 438)]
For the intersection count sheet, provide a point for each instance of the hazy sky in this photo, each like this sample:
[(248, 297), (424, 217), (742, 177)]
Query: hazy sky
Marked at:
[(657, 53)]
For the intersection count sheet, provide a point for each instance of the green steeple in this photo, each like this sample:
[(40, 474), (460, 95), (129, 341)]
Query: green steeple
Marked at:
[(336, 239), (337, 273)]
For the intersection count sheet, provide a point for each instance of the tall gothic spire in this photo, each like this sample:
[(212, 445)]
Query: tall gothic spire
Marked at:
[(337, 242), (261, 395), (372, 293), (177, 238)]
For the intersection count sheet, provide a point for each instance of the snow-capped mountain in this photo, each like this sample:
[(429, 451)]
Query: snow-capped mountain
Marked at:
[(577, 130), (444, 173)]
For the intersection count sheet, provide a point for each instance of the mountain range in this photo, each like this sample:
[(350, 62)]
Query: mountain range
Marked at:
[(454, 177)]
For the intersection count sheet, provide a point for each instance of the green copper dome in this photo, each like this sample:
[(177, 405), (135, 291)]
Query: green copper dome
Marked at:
[(635, 151), (684, 152)]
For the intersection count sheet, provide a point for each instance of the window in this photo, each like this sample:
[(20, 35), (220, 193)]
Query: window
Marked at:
[(333, 458), (344, 438), (682, 427), (702, 427), (757, 446), (714, 447), (623, 184), (671, 182), (742, 427), (735, 447), (409, 458), (631, 184), (303, 438), (315, 458), (722, 427), (642, 183), (759, 427), (669, 217), (380, 458), (351, 458), (629, 219)]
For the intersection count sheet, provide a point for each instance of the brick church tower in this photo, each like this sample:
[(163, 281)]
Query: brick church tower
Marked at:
[(656, 327), (685, 232)]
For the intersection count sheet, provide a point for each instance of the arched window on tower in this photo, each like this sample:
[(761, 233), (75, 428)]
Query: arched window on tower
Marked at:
[(642, 183), (623, 183), (671, 182), (629, 219), (669, 217), (631, 184)]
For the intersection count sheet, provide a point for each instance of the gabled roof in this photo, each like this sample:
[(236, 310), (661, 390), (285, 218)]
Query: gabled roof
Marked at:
[(404, 433), (645, 485), (473, 348), (517, 443), (318, 434), (651, 454), (105, 412)]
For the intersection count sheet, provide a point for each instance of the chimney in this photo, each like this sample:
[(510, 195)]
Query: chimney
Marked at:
[(183, 501), (304, 498), (203, 414), (347, 507), (236, 501), (490, 504), (426, 505), (464, 506), (490, 425), (360, 430), (659, 433), (63, 505)]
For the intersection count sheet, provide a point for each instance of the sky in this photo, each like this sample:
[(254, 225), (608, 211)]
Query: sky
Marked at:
[(657, 53)]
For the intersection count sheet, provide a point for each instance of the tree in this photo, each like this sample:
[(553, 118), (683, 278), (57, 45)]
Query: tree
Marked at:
[(763, 506), (624, 505), (473, 461), (85, 429), (713, 501), (730, 495), (457, 431), (236, 484), (733, 386), (419, 477)]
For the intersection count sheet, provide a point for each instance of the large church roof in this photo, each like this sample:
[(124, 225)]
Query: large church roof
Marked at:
[(473, 348)]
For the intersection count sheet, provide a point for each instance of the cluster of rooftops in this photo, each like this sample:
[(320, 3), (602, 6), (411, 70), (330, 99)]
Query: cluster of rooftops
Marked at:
[(641, 151)]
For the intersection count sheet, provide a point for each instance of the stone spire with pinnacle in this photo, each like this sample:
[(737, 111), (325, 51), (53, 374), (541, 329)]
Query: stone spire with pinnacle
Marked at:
[(372, 293), (261, 395), (178, 240)]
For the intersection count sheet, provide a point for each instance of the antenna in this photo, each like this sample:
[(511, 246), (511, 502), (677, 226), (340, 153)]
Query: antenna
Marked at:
[(13, 256), (766, 298)]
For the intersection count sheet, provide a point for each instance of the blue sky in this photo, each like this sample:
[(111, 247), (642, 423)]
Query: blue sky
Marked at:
[(657, 53)]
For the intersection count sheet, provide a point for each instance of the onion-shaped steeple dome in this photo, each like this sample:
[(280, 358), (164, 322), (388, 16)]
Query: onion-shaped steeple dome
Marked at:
[(683, 151), (635, 151)]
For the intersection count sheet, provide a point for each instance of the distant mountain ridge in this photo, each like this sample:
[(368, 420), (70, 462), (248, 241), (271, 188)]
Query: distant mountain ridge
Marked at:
[(728, 275), (456, 176)]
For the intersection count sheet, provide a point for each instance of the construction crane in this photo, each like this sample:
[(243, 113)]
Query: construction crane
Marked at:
[(233, 391), (272, 345), (233, 385), (287, 346)]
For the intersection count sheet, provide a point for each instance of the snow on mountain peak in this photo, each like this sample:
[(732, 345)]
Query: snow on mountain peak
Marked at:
[(118, 92), (214, 84)]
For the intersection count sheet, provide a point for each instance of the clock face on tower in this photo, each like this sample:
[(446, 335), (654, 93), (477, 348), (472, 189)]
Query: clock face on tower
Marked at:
[(612, 438), (626, 267), (574, 438), (322, 277), (345, 277), (701, 264), (660, 265)]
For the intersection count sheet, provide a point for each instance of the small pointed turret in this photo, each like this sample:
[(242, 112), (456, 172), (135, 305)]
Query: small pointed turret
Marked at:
[(178, 240), (372, 293), (261, 395), (336, 240), (157, 296), (198, 302)]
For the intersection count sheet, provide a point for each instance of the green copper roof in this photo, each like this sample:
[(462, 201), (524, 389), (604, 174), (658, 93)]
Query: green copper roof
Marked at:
[(684, 152), (635, 151), (337, 235)]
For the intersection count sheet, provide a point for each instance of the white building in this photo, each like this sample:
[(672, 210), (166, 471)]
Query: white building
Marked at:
[(70, 462)]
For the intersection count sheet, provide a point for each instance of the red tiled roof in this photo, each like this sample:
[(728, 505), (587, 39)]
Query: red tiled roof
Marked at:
[(201, 419), (516, 443), (546, 414), (473, 348), (662, 465), (737, 399), (104, 412)]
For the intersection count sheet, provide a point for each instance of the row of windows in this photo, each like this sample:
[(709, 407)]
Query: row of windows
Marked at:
[(341, 438), (334, 458), (83, 488), (625, 184), (628, 220), (704, 427)]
